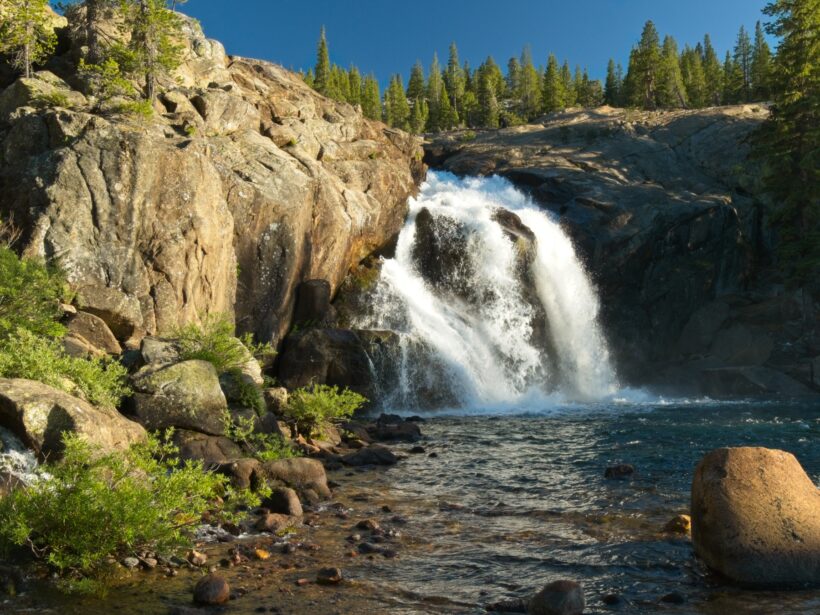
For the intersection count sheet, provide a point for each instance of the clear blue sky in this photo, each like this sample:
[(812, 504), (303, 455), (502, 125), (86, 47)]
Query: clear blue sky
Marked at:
[(386, 36)]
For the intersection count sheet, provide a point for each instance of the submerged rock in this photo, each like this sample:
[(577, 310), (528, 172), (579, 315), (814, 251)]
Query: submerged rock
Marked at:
[(558, 598), (756, 517), (212, 590), (375, 455), (620, 472)]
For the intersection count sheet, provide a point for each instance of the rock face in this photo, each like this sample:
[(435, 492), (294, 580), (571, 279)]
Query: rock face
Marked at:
[(39, 414), (756, 517), (245, 183), (671, 228)]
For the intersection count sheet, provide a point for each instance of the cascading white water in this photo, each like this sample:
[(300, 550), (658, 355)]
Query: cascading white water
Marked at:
[(475, 330)]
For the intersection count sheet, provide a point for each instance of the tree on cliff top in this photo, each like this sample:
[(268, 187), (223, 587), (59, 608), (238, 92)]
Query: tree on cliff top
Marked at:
[(25, 33), (790, 140), (321, 73)]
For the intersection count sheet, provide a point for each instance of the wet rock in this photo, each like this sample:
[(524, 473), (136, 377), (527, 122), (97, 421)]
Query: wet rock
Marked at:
[(274, 523), (243, 473), (681, 524), (368, 524), (130, 562), (755, 517), (39, 415), (184, 395), (417, 450), (619, 472), (197, 558), (375, 454), (611, 599), (394, 429), (212, 590), (213, 451), (509, 605), (329, 576), (558, 598), (312, 303), (673, 598), (284, 501), (367, 548), (305, 475)]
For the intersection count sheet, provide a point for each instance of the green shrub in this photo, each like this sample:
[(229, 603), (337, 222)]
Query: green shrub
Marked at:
[(141, 109), (30, 294), (88, 507), (264, 447), (25, 355), (466, 137), (312, 409), (52, 99)]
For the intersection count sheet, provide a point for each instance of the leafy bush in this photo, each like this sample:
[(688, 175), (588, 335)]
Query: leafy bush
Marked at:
[(52, 99), (313, 409), (141, 109), (264, 447), (87, 507), (30, 294), (25, 355)]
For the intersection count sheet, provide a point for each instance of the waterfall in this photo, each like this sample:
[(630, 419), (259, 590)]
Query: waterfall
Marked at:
[(491, 304)]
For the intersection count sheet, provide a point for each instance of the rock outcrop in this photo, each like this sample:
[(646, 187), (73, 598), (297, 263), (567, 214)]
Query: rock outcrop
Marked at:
[(39, 415), (245, 183), (756, 517), (665, 209)]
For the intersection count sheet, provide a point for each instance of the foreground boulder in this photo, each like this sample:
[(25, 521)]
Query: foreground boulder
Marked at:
[(185, 395), (305, 475), (756, 517), (558, 598), (39, 415)]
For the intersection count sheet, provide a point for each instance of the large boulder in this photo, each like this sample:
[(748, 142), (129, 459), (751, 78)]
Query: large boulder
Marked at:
[(213, 451), (304, 475), (326, 356), (184, 395), (39, 415), (756, 517), (93, 330)]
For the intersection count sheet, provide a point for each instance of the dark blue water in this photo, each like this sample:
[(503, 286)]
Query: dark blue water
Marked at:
[(513, 502)]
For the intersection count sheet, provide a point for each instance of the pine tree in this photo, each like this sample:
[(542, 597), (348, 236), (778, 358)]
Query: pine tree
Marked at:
[(743, 65), (712, 73), (415, 86), (25, 34), (371, 98), (732, 81), (354, 80), (567, 86), (396, 109), (454, 79), (418, 116), (613, 86), (434, 86), (761, 65), (671, 89), (448, 118), (554, 94), (694, 77), (644, 66), (578, 86), (514, 78), (487, 101), (529, 92), (153, 48), (494, 74), (790, 141), (322, 70)]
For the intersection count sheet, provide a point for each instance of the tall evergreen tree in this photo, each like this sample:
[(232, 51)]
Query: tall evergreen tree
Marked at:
[(613, 85), (671, 88), (371, 98), (494, 74), (354, 87), (732, 81), (513, 77), (448, 119), (694, 77), (529, 93), (761, 65), (554, 94), (712, 73), (396, 108), (790, 141), (454, 79), (487, 101), (434, 86), (321, 72), (415, 86), (644, 68), (418, 116), (25, 33), (567, 86), (742, 60)]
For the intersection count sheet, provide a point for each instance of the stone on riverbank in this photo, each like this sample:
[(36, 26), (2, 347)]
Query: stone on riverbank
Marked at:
[(756, 517)]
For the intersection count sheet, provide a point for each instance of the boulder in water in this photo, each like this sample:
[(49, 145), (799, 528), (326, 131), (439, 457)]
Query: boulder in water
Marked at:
[(212, 590), (756, 517), (558, 598)]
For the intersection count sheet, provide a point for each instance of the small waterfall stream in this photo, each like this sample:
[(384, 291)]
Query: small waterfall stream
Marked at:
[(490, 302)]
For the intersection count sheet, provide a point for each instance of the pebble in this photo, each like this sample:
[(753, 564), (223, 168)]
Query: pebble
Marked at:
[(197, 558), (368, 524), (130, 562), (329, 576)]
